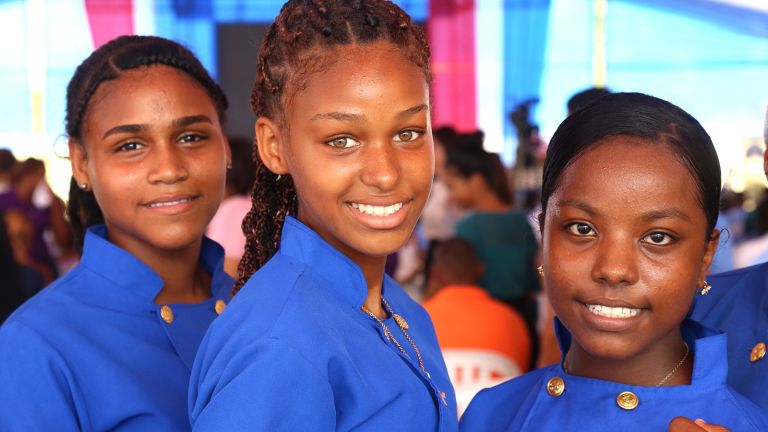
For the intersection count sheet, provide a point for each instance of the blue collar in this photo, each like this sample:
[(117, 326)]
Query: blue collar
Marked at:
[(342, 275), (710, 361), (123, 269)]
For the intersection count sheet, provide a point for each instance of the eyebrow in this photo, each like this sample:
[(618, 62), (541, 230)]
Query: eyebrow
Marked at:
[(350, 117), (136, 128), (581, 205), (671, 212)]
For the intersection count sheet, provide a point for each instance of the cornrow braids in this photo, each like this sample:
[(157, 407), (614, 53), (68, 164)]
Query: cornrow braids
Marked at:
[(108, 63), (296, 46)]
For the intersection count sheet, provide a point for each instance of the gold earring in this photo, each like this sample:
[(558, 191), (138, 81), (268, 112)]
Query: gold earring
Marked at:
[(705, 288), (540, 269)]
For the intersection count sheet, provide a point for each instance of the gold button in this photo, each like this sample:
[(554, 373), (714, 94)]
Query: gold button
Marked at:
[(758, 352), (220, 306), (555, 386), (627, 400), (166, 313)]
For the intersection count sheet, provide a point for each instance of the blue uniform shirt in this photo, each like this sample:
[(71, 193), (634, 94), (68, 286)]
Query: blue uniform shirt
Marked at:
[(294, 352), (93, 351), (738, 305), (537, 401)]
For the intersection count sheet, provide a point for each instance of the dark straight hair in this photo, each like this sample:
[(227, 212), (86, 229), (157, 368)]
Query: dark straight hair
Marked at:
[(642, 116)]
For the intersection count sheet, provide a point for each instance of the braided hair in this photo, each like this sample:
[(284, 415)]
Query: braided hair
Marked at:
[(108, 63), (293, 48)]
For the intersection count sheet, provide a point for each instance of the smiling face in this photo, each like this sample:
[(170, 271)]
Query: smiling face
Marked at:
[(358, 148), (154, 154), (625, 245)]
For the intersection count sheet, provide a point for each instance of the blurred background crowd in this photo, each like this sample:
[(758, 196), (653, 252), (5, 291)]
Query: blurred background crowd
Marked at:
[(506, 72)]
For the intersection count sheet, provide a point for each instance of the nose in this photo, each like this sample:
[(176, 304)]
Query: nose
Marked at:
[(381, 165), (616, 261), (168, 164)]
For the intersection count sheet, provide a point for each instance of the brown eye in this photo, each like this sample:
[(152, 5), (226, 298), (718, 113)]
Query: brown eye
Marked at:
[(658, 238), (580, 229), (341, 142), (407, 135)]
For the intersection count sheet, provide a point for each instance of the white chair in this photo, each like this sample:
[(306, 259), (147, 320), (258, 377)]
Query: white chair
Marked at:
[(473, 370)]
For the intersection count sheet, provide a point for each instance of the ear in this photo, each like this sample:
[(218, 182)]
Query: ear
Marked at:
[(227, 151), (269, 142), (709, 254), (78, 158)]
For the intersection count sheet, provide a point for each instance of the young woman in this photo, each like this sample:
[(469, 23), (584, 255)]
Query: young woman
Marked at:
[(110, 345), (629, 203), (319, 338)]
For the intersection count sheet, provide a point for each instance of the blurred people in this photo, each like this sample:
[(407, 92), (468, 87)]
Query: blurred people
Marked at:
[(440, 215), (755, 250), (7, 162), (586, 97), (503, 238), (483, 340), (21, 233), (31, 194), (226, 226), (11, 290), (738, 304)]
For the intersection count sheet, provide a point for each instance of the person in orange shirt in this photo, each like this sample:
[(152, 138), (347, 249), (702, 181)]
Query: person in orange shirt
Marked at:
[(483, 340)]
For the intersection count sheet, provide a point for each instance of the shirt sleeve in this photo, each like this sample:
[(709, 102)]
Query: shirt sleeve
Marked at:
[(268, 386), (37, 391)]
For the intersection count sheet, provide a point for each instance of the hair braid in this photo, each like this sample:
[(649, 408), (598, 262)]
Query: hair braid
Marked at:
[(294, 47), (108, 63)]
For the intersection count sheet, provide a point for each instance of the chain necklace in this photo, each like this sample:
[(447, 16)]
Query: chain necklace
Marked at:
[(669, 375), (403, 327)]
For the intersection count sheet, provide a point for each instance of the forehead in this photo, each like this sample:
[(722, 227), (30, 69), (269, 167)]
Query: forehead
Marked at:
[(630, 172), (375, 71), (146, 95)]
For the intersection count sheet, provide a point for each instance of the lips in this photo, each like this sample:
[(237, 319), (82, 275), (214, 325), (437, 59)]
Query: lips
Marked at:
[(171, 203), (377, 210), (380, 214), (613, 312)]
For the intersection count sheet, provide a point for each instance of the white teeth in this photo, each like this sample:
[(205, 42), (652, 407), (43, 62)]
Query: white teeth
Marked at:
[(169, 203), (377, 210), (612, 312)]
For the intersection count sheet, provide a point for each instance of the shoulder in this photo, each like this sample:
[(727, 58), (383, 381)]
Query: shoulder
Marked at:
[(495, 406), (52, 303)]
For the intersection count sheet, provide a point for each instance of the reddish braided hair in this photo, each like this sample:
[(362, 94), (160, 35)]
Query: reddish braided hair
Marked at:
[(292, 50)]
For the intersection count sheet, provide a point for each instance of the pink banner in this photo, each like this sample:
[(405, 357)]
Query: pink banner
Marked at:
[(109, 19), (451, 31)]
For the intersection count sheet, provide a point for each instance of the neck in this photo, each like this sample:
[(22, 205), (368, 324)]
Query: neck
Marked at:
[(184, 279), (647, 368), (373, 270), (487, 201)]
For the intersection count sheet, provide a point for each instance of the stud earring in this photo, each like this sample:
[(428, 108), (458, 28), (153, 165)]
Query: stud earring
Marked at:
[(540, 269), (84, 187), (279, 176), (705, 288), (229, 165)]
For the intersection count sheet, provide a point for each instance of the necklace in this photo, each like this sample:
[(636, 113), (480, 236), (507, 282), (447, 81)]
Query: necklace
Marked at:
[(668, 376), (403, 327)]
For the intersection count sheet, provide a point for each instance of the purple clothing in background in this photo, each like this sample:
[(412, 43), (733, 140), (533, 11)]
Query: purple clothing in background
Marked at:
[(40, 219)]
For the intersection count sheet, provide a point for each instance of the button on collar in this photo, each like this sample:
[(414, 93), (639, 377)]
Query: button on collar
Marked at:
[(555, 386), (166, 313), (627, 400), (220, 306), (758, 352)]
